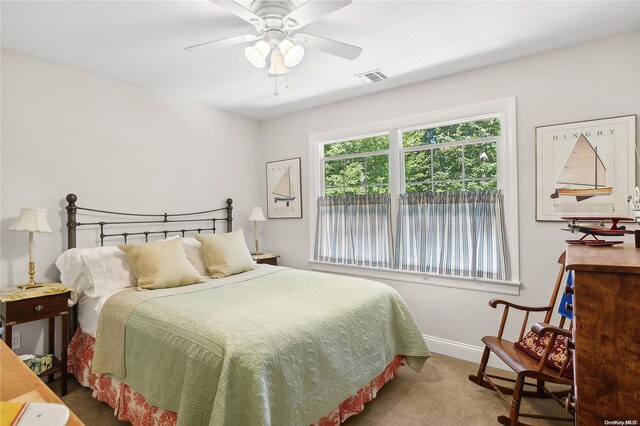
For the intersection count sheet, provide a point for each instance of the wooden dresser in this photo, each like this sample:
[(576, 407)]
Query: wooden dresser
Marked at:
[(606, 333)]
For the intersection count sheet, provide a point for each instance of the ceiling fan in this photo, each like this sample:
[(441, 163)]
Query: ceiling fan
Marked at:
[(277, 23)]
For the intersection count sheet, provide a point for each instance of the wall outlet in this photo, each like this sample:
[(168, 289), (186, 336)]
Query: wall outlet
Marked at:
[(15, 341)]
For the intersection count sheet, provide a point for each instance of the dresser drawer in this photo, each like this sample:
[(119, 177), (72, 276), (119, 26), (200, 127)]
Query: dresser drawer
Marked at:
[(35, 308)]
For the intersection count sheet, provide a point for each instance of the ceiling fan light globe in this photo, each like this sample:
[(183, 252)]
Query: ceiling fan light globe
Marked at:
[(284, 46), (293, 56), (277, 64), (257, 54), (262, 47), (254, 57)]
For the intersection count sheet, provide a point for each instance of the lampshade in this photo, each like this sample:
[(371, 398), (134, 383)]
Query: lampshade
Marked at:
[(277, 64), (257, 54), (256, 215), (31, 220), (292, 54)]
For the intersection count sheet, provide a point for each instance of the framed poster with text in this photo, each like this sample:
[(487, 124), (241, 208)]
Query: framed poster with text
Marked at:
[(284, 189), (585, 168)]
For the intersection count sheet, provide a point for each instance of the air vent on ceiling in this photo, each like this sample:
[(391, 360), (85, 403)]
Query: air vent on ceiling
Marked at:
[(374, 76)]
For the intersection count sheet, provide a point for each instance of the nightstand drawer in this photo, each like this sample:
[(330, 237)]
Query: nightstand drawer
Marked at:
[(34, 308)]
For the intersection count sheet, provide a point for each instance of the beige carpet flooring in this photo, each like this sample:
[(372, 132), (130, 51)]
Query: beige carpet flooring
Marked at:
[(439, 395)]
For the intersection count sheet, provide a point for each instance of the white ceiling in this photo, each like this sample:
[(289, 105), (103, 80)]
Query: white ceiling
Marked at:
[(142, 42)]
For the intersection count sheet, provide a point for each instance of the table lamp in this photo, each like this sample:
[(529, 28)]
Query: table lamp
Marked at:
[(31, 220), (256, 216)]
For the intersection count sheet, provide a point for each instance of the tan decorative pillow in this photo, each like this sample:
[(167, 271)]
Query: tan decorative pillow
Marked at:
[(225, 254), (161, 264)]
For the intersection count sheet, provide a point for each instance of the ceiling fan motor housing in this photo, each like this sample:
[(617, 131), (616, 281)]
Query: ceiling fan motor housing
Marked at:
[(272, 12)]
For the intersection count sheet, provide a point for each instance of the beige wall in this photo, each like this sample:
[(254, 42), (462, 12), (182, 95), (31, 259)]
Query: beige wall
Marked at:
[(118, 147), (589, 81)]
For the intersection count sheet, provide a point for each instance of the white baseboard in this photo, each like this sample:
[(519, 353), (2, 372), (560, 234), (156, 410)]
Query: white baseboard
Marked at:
[(461, 351)]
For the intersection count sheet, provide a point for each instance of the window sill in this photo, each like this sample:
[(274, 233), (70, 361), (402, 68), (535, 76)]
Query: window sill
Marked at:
[(465, 283)]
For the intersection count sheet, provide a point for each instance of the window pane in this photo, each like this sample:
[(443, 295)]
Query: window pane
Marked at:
[(417, 166), (377, 189), (418, 187), (477, 185), (447, 163), (357, 176), (333, 173), (455, 132), (480, 160), (357, 146), (333, 192), (354, 190), (377, 169), (354, 171), (447, 186)]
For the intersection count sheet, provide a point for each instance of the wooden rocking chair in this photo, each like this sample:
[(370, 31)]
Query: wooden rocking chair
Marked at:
[(529, 362)]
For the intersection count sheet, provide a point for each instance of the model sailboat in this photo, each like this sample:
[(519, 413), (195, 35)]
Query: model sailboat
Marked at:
[(283, 191), (583, 169)]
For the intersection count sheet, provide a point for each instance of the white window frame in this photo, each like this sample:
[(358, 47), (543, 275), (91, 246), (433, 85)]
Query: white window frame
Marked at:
[(324, 159), (507, 175)]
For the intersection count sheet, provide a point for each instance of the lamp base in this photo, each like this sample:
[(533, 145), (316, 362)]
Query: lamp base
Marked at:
[(29, 286), (32, 273)]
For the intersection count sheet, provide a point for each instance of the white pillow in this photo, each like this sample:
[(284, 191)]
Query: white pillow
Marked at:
[(72, 271), (76, 274), (107, 269), (194, 254)]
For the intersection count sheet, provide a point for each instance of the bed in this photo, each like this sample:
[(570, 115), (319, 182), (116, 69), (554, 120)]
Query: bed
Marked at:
[(269, 346)]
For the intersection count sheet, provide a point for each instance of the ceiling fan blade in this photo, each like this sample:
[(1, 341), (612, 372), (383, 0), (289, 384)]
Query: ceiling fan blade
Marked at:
[(337, 48), (240, 11), (211, 45), (313, 10)]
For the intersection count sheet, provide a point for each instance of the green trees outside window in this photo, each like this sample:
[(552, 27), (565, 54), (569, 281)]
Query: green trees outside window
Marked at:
[(365, 173), (448, 158), (454, 157)]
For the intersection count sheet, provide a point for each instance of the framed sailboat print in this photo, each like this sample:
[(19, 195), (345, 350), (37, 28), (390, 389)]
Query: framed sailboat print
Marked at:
[(585, 168), (284, 189)]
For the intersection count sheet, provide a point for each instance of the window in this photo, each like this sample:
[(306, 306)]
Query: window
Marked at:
[(457, 157), (464, 157), (357, 166)]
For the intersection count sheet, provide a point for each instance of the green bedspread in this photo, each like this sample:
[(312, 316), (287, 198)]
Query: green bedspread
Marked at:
[(279, 349)]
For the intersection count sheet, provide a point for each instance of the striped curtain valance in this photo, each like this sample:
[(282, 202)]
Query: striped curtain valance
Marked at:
[(355, 230), (459, 233)]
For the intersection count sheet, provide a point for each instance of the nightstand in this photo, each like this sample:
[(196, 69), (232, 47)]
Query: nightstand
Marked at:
[(36, 308), (266, 258)]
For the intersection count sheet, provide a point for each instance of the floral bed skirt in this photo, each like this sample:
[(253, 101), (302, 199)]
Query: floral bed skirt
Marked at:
[(130, 406)]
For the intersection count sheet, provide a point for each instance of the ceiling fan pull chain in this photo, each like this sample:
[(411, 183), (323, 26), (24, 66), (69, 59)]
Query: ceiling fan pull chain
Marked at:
[(286, 77), (275, 85)]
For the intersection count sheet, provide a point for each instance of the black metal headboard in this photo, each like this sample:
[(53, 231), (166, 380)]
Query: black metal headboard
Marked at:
[(143, 220), (146, 219)]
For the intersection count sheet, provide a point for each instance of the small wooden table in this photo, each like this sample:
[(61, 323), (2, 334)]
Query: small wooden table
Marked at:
[(37, 308), (17, 379), (266, 258)]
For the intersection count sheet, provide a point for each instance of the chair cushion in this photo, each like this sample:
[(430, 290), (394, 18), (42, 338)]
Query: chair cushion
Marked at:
[(534, 345)]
